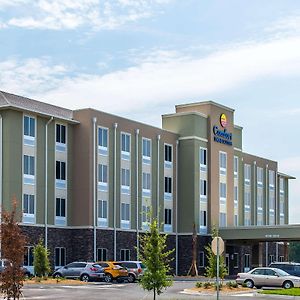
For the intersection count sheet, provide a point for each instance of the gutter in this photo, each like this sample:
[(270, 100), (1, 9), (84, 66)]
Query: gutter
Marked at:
[(115, 190), (94, 120), (137, 192)]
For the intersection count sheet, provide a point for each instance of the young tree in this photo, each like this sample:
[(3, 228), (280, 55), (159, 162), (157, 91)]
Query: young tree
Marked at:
[(12, 247), (211, 269), (155, 256), (41, 260)]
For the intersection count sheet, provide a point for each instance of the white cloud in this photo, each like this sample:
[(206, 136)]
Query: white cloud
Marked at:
[(288, 24), (68, 14)]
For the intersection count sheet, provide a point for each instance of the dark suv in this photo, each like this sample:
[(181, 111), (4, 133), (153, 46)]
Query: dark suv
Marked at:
[(289, 267)]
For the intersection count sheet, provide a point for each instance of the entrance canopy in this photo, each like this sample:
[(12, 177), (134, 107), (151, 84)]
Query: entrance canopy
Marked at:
[(278, 233)]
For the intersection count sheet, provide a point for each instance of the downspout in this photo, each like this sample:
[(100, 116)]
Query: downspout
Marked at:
[(115, 190), (157, 200), (276, 198), (137, 192), (176, 206), (94, 189), (46, 182), (1, 174)]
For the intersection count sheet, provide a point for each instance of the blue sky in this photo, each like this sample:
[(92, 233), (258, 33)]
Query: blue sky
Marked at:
[(139, 58)]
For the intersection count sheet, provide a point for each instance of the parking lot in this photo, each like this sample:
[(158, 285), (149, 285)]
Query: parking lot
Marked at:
[(124, 291)]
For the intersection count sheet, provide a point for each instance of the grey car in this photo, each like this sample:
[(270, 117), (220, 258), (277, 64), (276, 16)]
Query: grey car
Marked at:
[(135, 269), (3, 264), (85, 271)]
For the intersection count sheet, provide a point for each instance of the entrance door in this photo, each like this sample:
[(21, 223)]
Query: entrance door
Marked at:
[(246, 262)]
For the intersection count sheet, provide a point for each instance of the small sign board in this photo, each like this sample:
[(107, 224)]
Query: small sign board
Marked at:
[(214, 245)]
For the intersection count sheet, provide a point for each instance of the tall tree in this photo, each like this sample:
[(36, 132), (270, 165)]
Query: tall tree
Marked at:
[(156, 257), (13, 242), (41, 260), (294, 251)]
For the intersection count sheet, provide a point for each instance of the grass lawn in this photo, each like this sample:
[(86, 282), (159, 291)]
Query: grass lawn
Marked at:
[(288, 292)]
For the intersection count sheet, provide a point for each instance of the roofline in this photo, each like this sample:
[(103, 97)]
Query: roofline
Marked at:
[(205, 103), (184, 114), (266, 159), (124, 118), (285, 175)]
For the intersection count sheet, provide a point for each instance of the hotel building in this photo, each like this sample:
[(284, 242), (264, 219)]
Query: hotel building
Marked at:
[(86, 181)]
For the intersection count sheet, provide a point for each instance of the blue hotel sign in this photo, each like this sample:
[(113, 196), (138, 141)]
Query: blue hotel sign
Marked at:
[(222, 135)]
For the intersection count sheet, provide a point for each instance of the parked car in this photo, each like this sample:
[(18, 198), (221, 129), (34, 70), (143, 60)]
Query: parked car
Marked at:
[(289, 267), (274, 277), (113, 271), (4, 262), (86, 271), (135, 269)]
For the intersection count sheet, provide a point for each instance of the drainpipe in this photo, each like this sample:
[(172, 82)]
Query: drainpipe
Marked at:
[(115, 190), (254, 195), (267, 213), (94, 120), (176, 206), (46, 182), (1, 173), (276, 199), (137, 131), (157, 200)]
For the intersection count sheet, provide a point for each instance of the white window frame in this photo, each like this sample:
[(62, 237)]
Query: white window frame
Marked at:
[(146, 158), (102, 150), (29, 217), (59, 145), (60, 220), (168, 226), (168, 195), (222, 169), (125, 181), (168, 163), (100, 254), (146, 182), (223, 200), (102, 220), (29, 140), (102, 184), (236, 167), (124, 153), (59, 182), (220, 219), (124, 254), (125, 215), (203, 166), (203, 188), (61, 259)]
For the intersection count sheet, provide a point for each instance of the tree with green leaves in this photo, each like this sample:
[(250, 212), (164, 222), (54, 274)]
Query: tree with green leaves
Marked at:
[(156, 258), (41, 260), (13, 242), (211, 269)]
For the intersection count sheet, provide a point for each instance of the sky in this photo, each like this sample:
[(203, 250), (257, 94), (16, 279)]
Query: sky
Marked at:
[(139, 58)]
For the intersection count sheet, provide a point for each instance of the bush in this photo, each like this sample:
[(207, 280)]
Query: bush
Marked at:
[(220, 286), (198, 284), (244, 284), (207, 285), (231, 284)]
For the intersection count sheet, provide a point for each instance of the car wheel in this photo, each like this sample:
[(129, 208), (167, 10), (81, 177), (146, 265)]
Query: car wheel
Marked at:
[(85, 278), (258, 287), (108, 277), (131, 278), (57, 275), (249, 283), (287, 284)]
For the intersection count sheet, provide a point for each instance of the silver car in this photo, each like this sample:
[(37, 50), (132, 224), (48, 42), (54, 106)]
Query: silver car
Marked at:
[(274, 277), (135, 269), (85, 271)]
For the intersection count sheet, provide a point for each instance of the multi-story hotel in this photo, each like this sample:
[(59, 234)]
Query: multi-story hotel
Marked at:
[(86, 181)]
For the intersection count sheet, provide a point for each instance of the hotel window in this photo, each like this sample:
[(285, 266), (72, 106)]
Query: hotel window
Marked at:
[(145, 214), (146, 184), (28, 256), (236, 197), (102, 177), (201, 260), (168, 185), (247, 173), (168, 220), (222, 219), (101, 254), (102, 213), (203, 159), (223, 192), (125, 146), (60, 174), (236, 167), (28, 209), (60, 257), (146, 151), (281, 201), (168, 156), (260, 174), (125, 254), (281, 258), (203, 188), (125, 215), (125, 181), (281, 186), (102, 140), (203, 220), (28, 165), (60, 207), (223, 162), (60, 137), (247, 262), (271, 197), (235, 260), (29, 131), (236, 220)]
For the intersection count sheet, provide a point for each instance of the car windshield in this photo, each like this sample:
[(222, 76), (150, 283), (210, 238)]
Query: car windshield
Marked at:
[(282, 273)]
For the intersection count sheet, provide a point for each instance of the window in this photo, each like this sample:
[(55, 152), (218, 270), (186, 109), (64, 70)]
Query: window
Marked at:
[(260, 174), (235, 260), (28, 204), (201, 260), (102, 174), (203, 218), (60, 133), (223, 162), (29, 126), (271, 178), (168, 153), (60, 207), (101, 254), (203, 188), (102, 209), (28, 256), (281, 258), (223, 188), (236, 166), (168, 216), (236, 195), (146, 181), (146, 151), (102, 137), (203, 159), (145, 214), (247, 261), (236, 220), (222, 219), (125, 215), (60, 170), (28, 165), (60, 257), (281, 186), (125, 254), (125, 142), (247, 196), (125, 178), (168, 185), (247, 173)]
